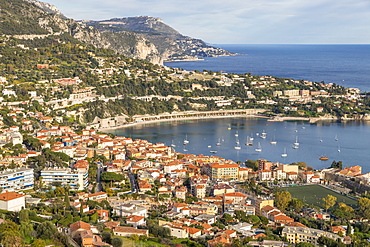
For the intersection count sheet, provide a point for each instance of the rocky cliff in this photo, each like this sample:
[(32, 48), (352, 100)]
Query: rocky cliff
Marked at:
[(34, 19), (170, 43), (137, 37)]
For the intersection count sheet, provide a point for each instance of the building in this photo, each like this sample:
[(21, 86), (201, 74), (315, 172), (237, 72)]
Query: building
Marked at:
[(16, 179), (304, 234), (224, 171), (235, 197), (125, 231), (75, 179), (12, 201)]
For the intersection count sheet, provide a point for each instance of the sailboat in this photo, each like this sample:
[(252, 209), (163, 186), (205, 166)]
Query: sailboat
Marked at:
[(263, 134), (251, 138), (258, 149), (273, 142), (229, 128), (336, 138), (249, 142), (296, 141), (237, 144), (186, 139), (173, 144), (219, 142), (338, 149), (236, 133), (284, 154)]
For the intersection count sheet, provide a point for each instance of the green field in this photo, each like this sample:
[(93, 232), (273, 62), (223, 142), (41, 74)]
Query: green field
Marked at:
[(312, 194)]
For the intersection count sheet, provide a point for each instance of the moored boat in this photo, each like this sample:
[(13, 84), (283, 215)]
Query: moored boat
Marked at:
[(323, 158)]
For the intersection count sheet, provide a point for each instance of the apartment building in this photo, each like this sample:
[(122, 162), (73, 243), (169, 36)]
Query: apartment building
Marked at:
[(305, 234), (75, 179), (16, 179), (224, 171)]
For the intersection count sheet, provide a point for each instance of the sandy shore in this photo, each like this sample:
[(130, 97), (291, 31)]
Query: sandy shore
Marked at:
[(175, 120)]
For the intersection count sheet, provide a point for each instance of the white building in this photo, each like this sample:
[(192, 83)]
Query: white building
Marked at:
[(77, 180), (16, 179), (12, 201)]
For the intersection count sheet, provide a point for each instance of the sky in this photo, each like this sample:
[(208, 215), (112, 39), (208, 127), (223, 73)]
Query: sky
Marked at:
[(241, 21)]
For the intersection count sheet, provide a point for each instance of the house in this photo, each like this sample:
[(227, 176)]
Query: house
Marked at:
[(84, 233), (135, 220), (99, 196), (235, 197), (125, 231), (206, 218), (12, 201)]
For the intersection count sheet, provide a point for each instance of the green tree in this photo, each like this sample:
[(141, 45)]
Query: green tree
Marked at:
[(364, 204), (111, 176), (106, 237), (328, 201), (296, 205), (46, 230), (117, 242), (23, 216), (282, 199)]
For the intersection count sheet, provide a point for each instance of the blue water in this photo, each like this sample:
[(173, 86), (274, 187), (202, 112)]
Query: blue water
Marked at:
[(352, 142), (346, 65)]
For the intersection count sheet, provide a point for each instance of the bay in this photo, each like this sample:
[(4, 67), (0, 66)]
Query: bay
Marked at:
[(315, 140), (346, 65)]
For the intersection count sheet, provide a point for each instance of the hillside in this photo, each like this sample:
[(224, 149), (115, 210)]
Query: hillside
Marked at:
[(36, 20), (170, 43)]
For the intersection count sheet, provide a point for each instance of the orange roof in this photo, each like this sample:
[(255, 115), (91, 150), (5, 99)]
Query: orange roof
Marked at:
[(235, 194), (135, 218), (8, 196), (217, 165), (283, 218), (192, 230), (229, 232), (80, 225)]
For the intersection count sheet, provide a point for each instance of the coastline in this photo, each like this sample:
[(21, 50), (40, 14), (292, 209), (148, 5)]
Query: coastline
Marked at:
[(177, 119), (158, 119)]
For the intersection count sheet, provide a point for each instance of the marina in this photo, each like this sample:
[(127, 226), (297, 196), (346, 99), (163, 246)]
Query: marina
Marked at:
[(315, 140)]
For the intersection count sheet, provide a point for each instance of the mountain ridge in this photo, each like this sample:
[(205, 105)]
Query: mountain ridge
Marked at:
[(142, 37), (171, 44)]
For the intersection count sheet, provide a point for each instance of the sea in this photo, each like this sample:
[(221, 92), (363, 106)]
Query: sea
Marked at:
[(349, 142)]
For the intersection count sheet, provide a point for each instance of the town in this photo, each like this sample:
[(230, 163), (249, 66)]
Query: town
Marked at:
[(103, 188), (64, 182)]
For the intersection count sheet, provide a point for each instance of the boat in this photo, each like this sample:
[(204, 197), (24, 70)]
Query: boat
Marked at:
[(273, 142), (237, 144), (185, 150), (251, 138), (323, 158), (186, 139), (173, 145), (236, 133), (229, 128), (258, 149), (336, 138), (338, 149), (295, 147), (209, 146), (263, 134), (219, 142), (213, 151), (284, 154), (296, 141), (249, 142)]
